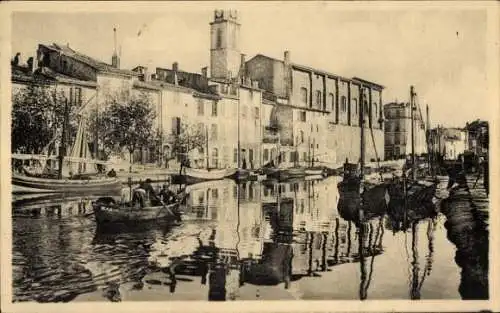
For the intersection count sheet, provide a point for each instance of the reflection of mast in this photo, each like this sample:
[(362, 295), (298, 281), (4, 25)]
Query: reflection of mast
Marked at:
[(337, 240), (362, 291), (415, 292), (349, 239), (430, 255), (323, 255), (373, 249), (310, 248), (415, 284)]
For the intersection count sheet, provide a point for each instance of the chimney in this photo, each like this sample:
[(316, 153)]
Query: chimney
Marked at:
[(175, 67), (204, 72), (242, 71), (30, 64), (115, 60), (288, 75), (286, 57)]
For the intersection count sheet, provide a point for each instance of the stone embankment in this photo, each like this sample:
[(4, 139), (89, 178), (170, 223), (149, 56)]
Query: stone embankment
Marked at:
[(467, 213)]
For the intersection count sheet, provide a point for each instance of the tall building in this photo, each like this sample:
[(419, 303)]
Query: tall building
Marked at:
[(225, 52), (318, 112), (398, 131)]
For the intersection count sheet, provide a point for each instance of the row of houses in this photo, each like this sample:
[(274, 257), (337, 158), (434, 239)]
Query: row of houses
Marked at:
[(446, 142), (254, 111)]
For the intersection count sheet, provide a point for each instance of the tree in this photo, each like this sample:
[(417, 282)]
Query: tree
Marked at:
[(38, 117), (126, 122), (187, 138)]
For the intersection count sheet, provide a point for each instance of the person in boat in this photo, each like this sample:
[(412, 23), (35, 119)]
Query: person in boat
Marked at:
[(145, 192), (167, 195), (112, 173)]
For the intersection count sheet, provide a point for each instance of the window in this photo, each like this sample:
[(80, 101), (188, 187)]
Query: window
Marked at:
[(176, 125), (75, 96), (232, 90), (302, 116), (344, 104), (250, 157), (214, 108), (256, 113), (366, 109), (292, 156), (332, 101), (304, 156), (213, 132), (318, 98), (303, 95), (375, 109), (317, 128), (355, 104), (215, 193), (266, 154), (301, 136), (218, 42), (201, 108), (215, 157)]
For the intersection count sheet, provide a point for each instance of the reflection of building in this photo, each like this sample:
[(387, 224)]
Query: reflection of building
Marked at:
[(398, 131), (237, 210)]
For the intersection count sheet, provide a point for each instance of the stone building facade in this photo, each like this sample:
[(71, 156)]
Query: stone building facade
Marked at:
[(324, 123), (398, 131)]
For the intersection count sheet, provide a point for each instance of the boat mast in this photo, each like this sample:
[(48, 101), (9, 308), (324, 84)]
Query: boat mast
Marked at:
[(62, 148), (239, 143), (362, 115), (206, 144), (427, 137), (412, 115)]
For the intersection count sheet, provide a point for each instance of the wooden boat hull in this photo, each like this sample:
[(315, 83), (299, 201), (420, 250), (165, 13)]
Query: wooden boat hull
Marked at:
[(108, 214), (289, 173), (417, 192), (241, 174), (372, 201), (315, 171), (25, 184), (194, 176)]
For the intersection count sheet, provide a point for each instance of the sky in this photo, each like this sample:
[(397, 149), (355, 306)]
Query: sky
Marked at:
[(442, 52)]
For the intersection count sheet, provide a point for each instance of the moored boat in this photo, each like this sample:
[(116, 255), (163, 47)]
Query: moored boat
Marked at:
[(288, 173), (195, 175), (26, 184), (241, 174), (315, 171), (77, 172), (108, 213)]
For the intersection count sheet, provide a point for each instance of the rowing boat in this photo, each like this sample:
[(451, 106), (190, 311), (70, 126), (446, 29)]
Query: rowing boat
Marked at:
[(109, 213)]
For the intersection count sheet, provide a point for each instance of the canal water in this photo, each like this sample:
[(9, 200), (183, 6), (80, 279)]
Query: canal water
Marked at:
[(252, 241)]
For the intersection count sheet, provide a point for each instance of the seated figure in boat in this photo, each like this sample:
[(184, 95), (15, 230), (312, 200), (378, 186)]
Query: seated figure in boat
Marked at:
[(144, 195), (112, 173), (167, 196)]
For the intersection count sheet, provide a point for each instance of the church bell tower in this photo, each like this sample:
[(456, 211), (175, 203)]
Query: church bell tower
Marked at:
[(225, 55)]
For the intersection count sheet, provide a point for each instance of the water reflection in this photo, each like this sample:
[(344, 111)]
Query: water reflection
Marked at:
[(237, 241)]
